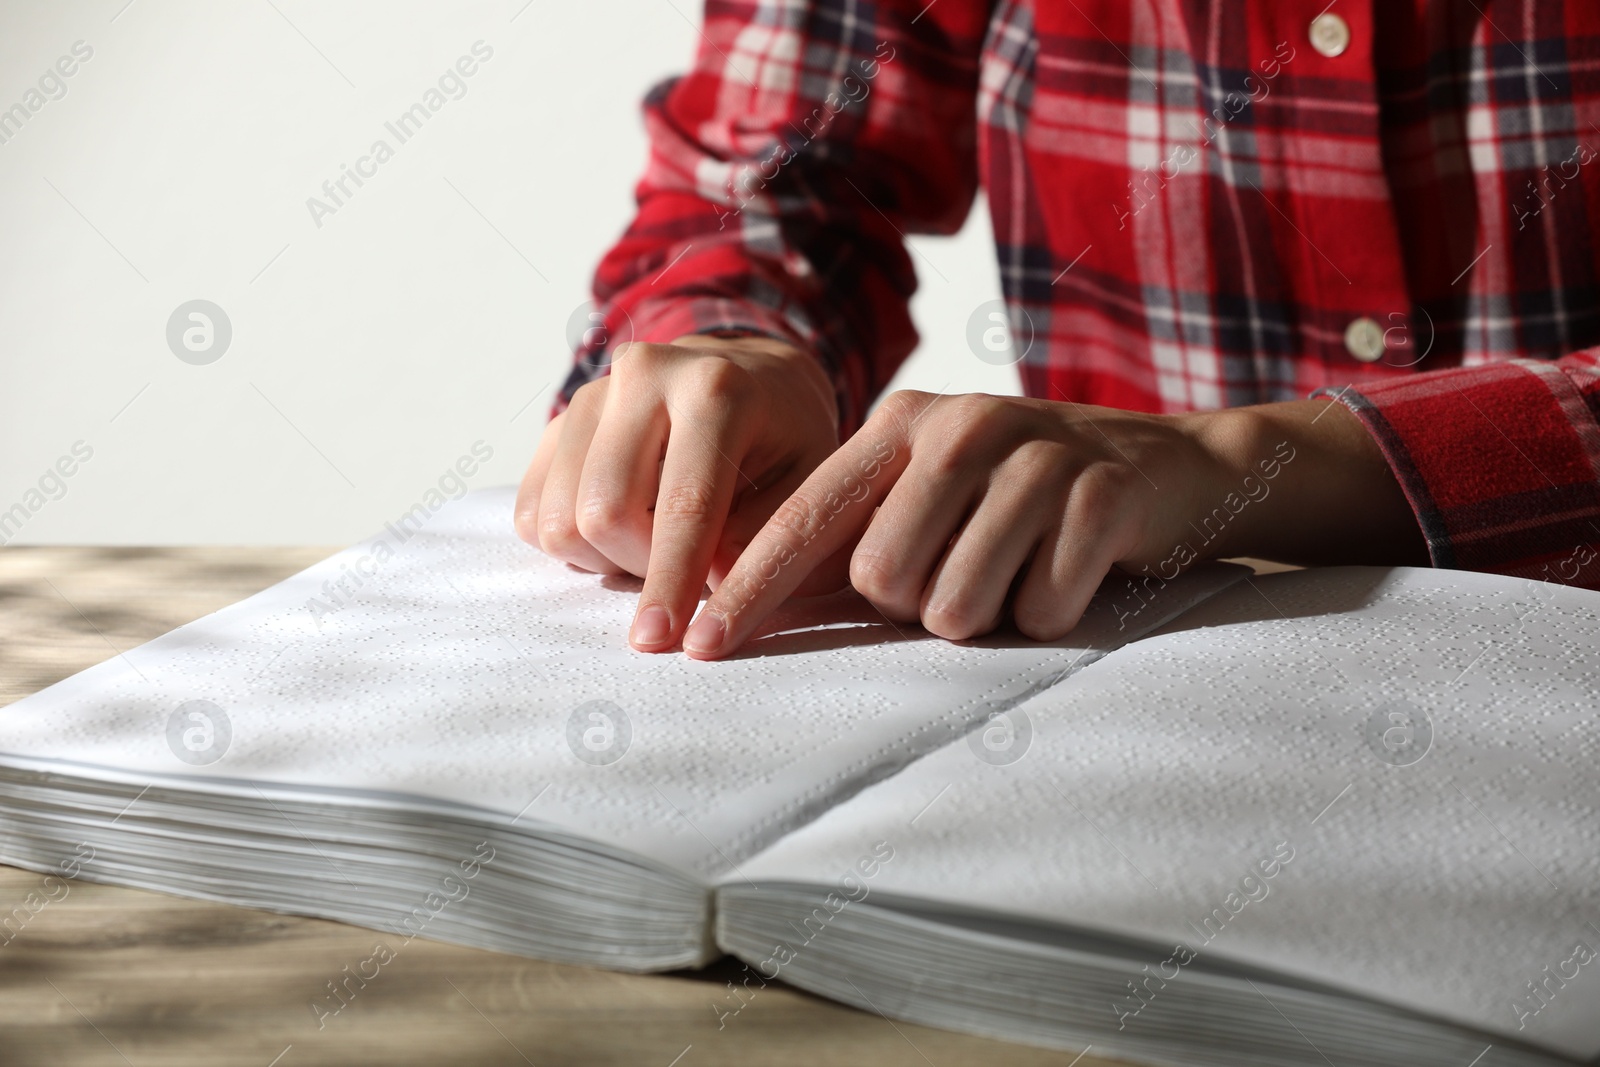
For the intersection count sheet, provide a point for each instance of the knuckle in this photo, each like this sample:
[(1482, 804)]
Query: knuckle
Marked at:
[(800, 517), (1040, 458), (903, 406), (559, 536), (527, 525), (947, 459), (600, 515), (876, 577), (968, 422), (590, 395), (693, 502), (951, 619), (716, 378), (971, 407), (1038, 622), (978, 410), (630, 357), (1100, 490)]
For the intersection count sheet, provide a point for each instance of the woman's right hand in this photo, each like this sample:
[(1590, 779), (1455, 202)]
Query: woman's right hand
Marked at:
[(669, 465)]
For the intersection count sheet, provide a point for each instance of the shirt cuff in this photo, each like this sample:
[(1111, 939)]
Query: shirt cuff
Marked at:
[(1501, 465), (664, 321)]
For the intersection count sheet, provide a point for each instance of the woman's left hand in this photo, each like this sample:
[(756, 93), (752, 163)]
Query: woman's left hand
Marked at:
[(945, 509)]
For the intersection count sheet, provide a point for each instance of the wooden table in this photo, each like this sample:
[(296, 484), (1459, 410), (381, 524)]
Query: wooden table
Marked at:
[(107, 975)]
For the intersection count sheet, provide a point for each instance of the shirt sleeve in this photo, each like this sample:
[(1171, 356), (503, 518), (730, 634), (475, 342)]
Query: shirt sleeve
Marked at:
[(784, 172), (1501, 463)]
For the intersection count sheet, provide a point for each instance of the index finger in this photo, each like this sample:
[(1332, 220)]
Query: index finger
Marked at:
[(698, 482), (830, 507)]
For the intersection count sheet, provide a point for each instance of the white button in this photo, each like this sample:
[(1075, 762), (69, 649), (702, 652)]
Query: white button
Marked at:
[(1330, 34), (1364, 339)]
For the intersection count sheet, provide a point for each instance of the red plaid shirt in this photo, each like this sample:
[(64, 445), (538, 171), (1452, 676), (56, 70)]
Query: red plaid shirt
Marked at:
[(1196, 203)]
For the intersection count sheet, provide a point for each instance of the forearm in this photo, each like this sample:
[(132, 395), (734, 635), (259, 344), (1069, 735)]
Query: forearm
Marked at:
[(784, 213), (1331, 498)]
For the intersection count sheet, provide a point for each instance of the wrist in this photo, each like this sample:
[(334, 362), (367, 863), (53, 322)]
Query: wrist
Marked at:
[(1302, 481), (1242, 458)]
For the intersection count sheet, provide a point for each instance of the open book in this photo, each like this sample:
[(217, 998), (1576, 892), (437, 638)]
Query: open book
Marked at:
[(1349, 815)]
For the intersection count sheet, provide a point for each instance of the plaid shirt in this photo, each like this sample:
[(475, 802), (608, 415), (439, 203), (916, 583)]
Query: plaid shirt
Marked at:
[(1196, 204)]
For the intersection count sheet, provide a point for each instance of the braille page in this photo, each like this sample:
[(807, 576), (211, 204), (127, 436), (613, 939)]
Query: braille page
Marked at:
[(456, 663), (1383, 780)]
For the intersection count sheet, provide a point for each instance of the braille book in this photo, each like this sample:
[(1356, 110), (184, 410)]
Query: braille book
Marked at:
[(1348, 815)]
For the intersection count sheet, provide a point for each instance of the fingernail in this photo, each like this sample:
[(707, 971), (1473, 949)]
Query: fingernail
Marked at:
[(651, 626), (705, 634)]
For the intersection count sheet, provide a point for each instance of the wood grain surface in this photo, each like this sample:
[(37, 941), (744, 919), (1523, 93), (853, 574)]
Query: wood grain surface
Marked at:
[(106, 975)]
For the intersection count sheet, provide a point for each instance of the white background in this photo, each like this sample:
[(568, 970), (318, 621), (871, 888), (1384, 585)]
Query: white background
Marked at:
[(374, 350)]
